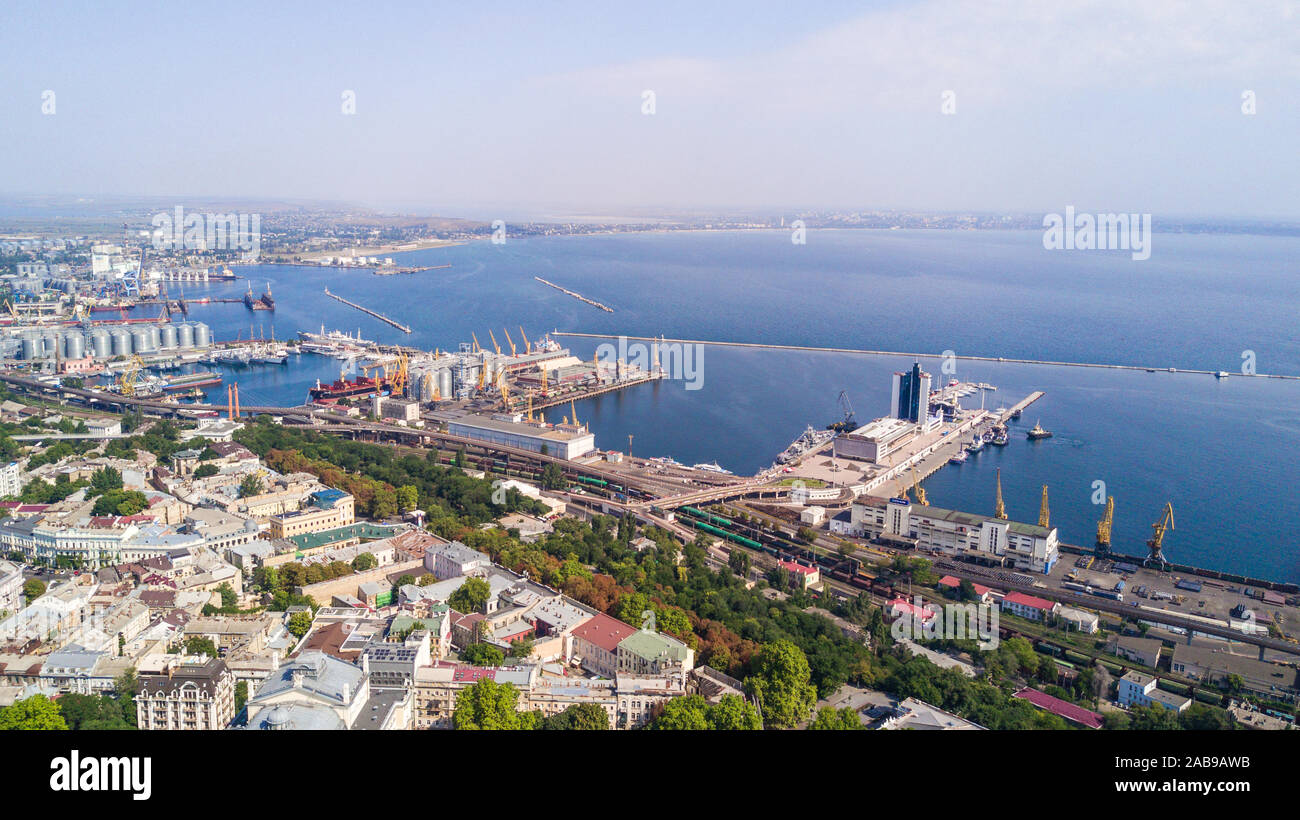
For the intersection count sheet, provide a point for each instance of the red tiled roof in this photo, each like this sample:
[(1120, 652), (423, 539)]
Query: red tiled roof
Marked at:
[(795, 566), (1064, 708), (950, 581), (473, 673), (911, 609), (1028, 600), (604, 631)]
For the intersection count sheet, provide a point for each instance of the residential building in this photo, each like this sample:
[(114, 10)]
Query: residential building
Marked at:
[(1140, 689), (646, 653), (595, 644), (1028, 606), (187, 693), (314, 679)]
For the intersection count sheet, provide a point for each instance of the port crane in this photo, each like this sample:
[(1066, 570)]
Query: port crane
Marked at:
[(126, 381), (999, 509), (1104, 525), (527, 347), (493, 337), (1157, 539), (917, 490), (510, 341), (849, 421), (1044, 514)]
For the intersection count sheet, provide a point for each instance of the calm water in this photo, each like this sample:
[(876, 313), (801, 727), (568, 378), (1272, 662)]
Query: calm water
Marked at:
[(1224, 452)]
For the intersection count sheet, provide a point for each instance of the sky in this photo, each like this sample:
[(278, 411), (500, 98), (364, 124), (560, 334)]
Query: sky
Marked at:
[(463, 109)]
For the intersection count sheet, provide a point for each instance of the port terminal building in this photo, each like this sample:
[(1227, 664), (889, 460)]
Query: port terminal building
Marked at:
[(509, 429), (969, 536)]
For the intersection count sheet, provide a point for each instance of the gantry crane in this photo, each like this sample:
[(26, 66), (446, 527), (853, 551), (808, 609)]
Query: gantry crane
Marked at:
[(1044, 514), (999, 509), (1104, 525), (1159, 528)]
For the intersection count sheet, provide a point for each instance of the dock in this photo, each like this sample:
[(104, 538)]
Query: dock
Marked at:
[(381, 317), (575, 295)]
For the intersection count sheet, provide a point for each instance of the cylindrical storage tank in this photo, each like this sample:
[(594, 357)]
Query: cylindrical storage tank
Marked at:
[(155, 336), (202, 336), (444, 381), (185, 335), (167, 337), (32, 346), (101, 344), (74, 346), (121, 342), (52, 344), (140, 340)]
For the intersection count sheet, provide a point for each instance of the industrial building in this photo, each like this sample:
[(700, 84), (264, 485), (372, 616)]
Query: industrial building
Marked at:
[(966, 535), (101, 342), (875, 441), (510, 430)]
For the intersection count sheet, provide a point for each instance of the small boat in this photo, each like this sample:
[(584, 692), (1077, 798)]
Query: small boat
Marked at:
[(1038, 432), (1000, 436), (976, 444), (959, 458), (1222, 374)]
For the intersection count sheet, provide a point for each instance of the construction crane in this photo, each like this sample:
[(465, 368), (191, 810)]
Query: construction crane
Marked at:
[(527, 347), (917, 490), (493, 337), (126, 381), (1044, 514), (1159, 528), (1104, 525), (510, 341), (999, 509)]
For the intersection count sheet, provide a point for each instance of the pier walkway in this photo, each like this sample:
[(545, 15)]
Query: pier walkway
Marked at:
[(904, 354), (381, 317)]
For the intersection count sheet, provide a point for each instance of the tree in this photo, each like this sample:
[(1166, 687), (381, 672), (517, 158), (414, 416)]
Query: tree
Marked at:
[(91, 712), (522, 648), (732, 713), (482, 654), (408, 498), (688, 713), (364, 561), (488, 705), (35, 713), (739, 561), (105, 479), (250, 485), (1153, 718), (1201, 717), (33, 589), (300, 624), (199, 645), (584, 717), (553, 477), (781, 685), (471, 596), (120, 502), (206, 470), (836, 719)]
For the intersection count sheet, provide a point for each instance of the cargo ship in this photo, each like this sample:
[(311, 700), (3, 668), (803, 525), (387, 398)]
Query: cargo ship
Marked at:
[(263, 302), (341, 388)]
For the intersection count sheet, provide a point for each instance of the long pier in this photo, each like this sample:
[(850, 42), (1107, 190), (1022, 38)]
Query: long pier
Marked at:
[(905, 354), (576, 295), (381, 317)]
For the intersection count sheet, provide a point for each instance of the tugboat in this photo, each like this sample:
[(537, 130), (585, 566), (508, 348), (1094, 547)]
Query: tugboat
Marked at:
[(976, 444), (1038, 432), (1000, 436), (959, 458)]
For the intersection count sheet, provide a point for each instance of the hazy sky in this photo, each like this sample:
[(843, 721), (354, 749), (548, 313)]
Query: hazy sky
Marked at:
[(1108, 106)]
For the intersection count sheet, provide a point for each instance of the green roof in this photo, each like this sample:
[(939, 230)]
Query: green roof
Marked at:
[(362, 530), (652, 646)]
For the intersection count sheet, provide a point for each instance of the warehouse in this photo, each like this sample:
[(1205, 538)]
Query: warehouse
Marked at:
[(562, 441)]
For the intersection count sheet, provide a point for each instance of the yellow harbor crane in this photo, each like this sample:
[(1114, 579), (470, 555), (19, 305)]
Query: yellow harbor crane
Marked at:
[(1159, 528), (126, 381), (917, 490), (1104, 525), (1044, 514), (504, 389), (999, 509), (493, 337), (477, 348), (527, 347), (510, 341)]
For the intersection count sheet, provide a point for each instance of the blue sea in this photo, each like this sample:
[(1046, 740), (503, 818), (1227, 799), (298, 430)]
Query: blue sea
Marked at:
[(1223, 451)]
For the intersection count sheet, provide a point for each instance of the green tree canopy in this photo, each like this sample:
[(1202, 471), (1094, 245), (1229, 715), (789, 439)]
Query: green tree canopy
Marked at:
[(35, 713), (781, 685), (471, 596), (488, 705), (482, 654)]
